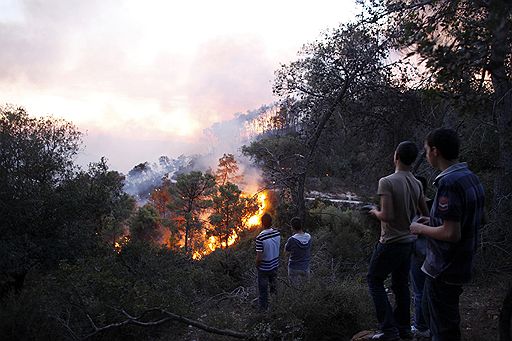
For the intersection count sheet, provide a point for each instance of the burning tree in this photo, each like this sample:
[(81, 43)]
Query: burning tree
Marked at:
[(190, 198), (230, 211), (227, 170), (168, 223), (200, 212), (160, 198)]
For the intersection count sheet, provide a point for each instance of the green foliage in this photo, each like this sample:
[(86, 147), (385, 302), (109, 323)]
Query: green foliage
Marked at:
[(138, 279), (51, 211), (320, 310), (35, 159), (466, 49), (217, 290), (144, 225), (455, 39), (282, 160), (26, 316), (345, 237), (229, 268), (343, 114), (95, 201)]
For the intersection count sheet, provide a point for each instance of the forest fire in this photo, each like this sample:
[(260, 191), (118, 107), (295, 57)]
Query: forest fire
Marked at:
[(213, 242), (202, 242), (197, 213), (262, 204), (121, 242)]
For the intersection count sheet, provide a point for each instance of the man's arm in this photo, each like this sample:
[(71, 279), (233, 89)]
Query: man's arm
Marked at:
[(422, 206), (259, 258), (287, 246), (449, 231), (386, 212)]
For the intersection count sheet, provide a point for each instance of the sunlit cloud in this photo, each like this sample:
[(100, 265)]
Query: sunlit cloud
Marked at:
[(151, 70)]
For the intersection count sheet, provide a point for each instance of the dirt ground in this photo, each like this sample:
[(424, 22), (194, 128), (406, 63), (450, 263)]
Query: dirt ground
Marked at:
[(480, 306)]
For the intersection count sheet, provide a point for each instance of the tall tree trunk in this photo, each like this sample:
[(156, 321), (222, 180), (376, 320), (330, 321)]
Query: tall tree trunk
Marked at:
[(499, 22), (312, 143), (187, 228), (301, 203)]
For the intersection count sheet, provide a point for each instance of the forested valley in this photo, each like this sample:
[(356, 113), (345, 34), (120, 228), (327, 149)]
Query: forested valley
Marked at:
[(82, 259)]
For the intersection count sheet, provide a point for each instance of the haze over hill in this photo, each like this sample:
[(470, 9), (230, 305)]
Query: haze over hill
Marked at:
[(221, 138), (144, 79)]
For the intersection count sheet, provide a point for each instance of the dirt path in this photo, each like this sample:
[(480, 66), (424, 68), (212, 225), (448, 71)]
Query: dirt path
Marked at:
[(480, 307)]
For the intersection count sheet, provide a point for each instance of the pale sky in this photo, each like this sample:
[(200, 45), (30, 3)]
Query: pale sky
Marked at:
[(143, 78)]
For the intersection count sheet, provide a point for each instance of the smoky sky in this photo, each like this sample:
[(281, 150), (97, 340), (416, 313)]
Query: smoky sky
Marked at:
[(145, 78)]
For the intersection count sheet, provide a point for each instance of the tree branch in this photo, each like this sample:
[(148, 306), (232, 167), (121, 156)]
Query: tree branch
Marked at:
[(165, 317)]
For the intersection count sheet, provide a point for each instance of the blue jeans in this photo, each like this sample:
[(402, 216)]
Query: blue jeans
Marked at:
[(417, 282), (441, 308), (266, 279), (394, 259)]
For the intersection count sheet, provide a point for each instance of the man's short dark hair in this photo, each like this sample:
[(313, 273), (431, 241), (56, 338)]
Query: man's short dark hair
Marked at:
[(407, 152), (266, 220), (296, 223), (446, 142)]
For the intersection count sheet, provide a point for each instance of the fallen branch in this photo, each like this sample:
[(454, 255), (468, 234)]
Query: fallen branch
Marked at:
[(165, 317), (239, 292)]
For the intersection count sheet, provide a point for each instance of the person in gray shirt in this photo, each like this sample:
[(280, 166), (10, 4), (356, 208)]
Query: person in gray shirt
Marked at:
[(401, 199), (299, 248)]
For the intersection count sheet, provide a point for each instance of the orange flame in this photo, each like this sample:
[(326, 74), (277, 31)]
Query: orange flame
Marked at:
[(121, 242), (262, 204), (210, 243), (213, 243)]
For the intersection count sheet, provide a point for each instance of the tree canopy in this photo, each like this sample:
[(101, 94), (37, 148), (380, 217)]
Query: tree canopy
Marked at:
[(36, 157), (189, 198)]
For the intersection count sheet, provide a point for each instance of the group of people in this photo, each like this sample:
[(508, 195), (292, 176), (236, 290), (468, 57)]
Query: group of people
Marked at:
[(433, 247), (441, 243), (267, 257)]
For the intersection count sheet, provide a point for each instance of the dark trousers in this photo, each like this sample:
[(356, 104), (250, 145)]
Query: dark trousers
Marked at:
[(417, 283), (394, 259), (441, 309), (266, 280)]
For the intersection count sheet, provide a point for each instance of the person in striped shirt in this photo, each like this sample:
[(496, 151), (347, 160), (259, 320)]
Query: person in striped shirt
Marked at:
[(267, 259)]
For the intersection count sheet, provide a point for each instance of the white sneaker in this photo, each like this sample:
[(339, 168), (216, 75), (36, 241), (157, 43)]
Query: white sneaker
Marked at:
[(420, 333)]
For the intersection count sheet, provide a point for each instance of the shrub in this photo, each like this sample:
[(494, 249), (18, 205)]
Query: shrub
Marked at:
[(320, 310), (343, 238)]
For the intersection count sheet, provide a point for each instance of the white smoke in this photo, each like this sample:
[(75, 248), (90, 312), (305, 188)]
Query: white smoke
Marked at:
[(221, 138), (144, 177)]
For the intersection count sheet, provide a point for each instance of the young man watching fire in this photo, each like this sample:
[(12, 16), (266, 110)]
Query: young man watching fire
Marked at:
[(452, 236), (267, 259), (299, 248), (401, 198)]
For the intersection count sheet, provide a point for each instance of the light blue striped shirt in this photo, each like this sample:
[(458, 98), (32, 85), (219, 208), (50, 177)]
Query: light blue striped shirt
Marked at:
[(268, 242)]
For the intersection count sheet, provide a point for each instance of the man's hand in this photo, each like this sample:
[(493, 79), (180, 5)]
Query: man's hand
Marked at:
[(416, 228), (259, 258), (449, 231)]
